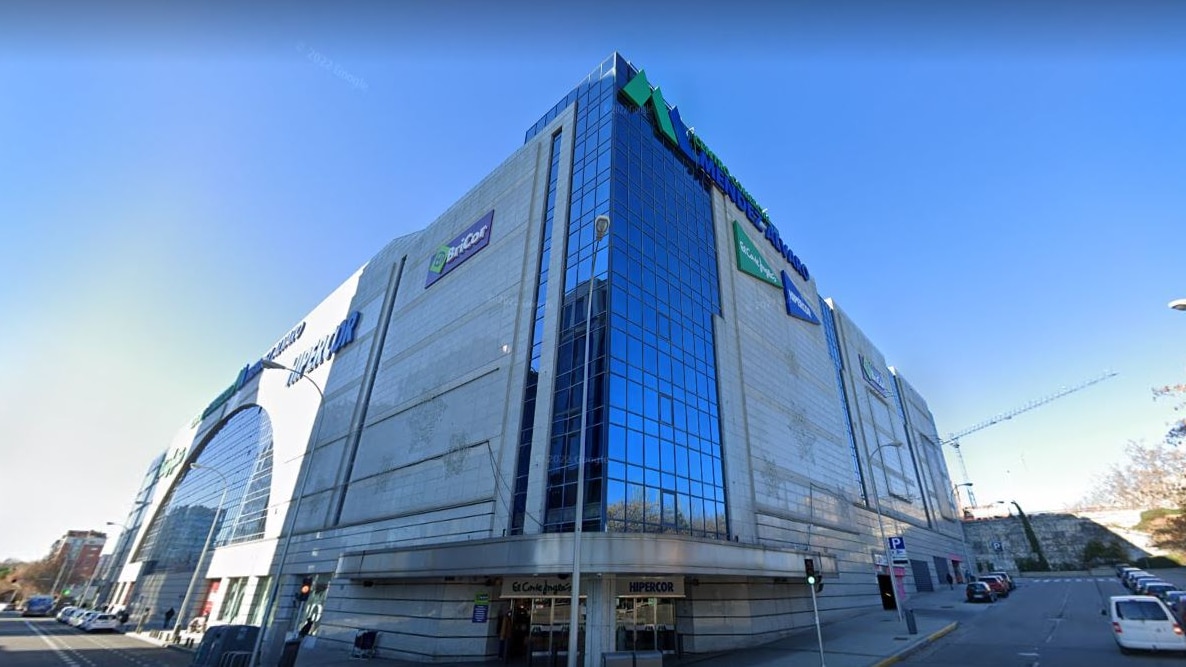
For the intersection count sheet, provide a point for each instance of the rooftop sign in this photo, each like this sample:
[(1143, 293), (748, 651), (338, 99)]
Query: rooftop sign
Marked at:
[(639, 92)]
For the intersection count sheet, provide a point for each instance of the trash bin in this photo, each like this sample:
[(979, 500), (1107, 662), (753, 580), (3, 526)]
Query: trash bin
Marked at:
[(911, 626), (648, 659), (617, 659)]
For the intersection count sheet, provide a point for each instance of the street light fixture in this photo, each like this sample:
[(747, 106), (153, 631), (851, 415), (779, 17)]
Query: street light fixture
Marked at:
[(881, 524), (303, 475), (601, 226), (193, 580), (1178, 304)]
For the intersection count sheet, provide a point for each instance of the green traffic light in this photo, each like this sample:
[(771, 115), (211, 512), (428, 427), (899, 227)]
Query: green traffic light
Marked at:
[(811, 580)]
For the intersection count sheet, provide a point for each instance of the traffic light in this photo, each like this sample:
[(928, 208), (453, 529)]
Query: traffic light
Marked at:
[(813, 579), (305, 589)]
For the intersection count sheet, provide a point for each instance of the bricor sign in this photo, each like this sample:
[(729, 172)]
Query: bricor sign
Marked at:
[(450, 255), (650, 587)]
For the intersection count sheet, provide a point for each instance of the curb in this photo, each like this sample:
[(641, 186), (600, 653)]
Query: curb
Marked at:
[(932, 638)]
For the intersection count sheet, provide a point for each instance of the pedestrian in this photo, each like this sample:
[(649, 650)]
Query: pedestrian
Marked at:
[(168, 617), (950, 581)]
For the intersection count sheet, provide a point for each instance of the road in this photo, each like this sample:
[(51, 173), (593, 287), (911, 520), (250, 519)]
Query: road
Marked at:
[(1051, 622), (43, 642)]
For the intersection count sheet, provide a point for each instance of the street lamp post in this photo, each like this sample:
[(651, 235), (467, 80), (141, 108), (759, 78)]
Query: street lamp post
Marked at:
[(193, 580), (601, 224), (1178, 304), (881, 524), (960, 519), (303, 475)]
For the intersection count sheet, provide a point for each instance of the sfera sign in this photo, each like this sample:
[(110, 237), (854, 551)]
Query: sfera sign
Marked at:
[(450, 255), (638, 91), (750, 261)]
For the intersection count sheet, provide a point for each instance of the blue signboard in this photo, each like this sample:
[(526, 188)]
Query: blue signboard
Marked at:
[(450, 255), (481, 608)]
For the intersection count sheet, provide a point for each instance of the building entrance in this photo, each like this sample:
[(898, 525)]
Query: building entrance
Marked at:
[(645, 624), (548, 632)]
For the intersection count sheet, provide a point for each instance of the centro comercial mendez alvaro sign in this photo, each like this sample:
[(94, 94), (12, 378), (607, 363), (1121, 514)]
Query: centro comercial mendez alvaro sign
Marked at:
[(639, 92)]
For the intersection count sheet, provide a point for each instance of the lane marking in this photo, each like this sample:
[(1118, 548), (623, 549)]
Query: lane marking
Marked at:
[(58, 651)]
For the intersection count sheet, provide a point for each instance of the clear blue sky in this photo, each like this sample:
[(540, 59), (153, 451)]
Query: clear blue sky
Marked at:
[(996, 196)]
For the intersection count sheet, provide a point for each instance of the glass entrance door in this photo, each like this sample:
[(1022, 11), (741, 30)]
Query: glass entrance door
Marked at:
[(548, 639), (646, 624)]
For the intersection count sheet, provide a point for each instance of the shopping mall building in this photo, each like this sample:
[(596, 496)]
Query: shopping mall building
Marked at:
[(419, 468)]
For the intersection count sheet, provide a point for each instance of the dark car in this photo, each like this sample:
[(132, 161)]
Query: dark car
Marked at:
[(977, 591)]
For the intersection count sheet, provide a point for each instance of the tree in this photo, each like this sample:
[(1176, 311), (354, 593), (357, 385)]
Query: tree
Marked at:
[(1148, 477), (1096, 552), (1177, 433)]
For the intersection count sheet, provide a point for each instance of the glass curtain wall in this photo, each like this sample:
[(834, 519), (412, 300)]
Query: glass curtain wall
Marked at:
[(653, 443), (242, 451), (664, 471), (590, 195)]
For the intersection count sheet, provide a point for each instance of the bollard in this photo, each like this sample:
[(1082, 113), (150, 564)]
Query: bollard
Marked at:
[(911, 626)]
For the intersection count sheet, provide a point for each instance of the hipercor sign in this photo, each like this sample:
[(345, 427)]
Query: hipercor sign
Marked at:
[(450, 255)]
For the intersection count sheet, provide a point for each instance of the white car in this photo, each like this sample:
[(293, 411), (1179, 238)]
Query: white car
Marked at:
[(99, 622), (78, 619), (1144, 622), (64, 613)]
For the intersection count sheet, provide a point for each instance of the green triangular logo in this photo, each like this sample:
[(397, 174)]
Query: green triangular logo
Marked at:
[(750, 261)]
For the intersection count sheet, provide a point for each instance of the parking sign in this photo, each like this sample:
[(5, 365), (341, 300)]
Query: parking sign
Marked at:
[(897, 549)]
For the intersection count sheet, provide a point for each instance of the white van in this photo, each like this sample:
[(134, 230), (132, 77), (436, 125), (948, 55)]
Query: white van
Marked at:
[(1144, 622)]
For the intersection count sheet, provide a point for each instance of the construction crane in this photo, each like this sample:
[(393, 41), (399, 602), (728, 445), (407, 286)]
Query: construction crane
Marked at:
[(954, 438)]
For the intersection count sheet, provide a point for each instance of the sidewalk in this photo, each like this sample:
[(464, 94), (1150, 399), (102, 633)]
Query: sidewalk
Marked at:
[(872, 638)]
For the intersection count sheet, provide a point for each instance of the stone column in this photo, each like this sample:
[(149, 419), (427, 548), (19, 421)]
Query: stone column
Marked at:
[(601, 604)]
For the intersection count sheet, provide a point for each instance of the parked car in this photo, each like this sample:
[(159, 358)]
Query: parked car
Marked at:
[(1159, 589), (979, 591), (78, 619), (1144, 622), (98, 622), (1130, 577), (996, 583), (1008, 579), (1143, 584), (1173, 600), (1135, 582), (1121, 567), (64, 613)]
